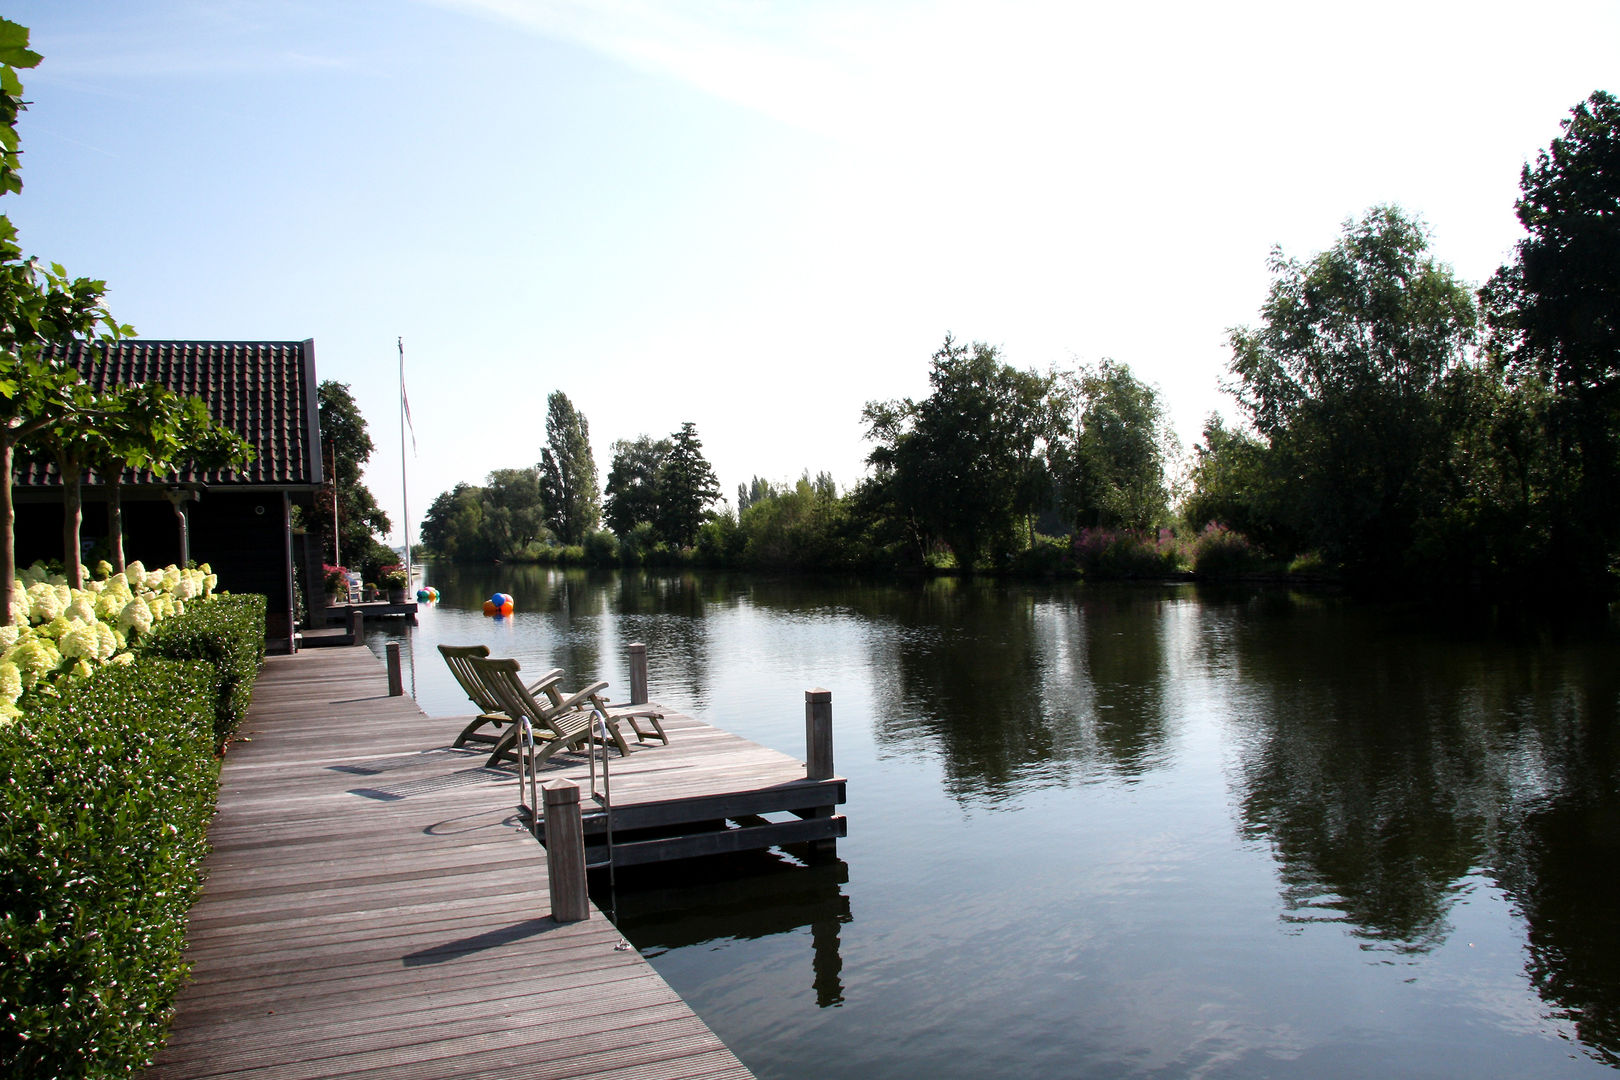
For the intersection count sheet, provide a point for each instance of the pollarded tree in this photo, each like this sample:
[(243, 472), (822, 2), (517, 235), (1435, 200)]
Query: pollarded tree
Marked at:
[(1554, 313), (687, 487), (1344, 380), (632, 483), (568, 472), (39, 306)]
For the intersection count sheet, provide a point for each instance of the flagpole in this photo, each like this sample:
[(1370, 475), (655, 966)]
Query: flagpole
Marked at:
[(405, 493)]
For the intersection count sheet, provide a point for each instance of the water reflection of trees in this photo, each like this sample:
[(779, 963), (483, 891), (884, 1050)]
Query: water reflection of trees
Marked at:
[(1016, 687), (1388, 764)]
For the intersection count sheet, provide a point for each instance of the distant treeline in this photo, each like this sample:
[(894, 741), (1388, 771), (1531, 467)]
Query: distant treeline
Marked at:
[(1399, 427)]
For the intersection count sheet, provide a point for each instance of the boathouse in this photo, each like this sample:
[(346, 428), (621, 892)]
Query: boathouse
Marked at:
[(238, 520)]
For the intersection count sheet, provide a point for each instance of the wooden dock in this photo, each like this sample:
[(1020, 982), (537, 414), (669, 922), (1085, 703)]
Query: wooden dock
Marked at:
[(375, 908)]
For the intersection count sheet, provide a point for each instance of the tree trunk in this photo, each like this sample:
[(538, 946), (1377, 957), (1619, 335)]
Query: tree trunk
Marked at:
[(115, 521), (72, 519), (8, 525)]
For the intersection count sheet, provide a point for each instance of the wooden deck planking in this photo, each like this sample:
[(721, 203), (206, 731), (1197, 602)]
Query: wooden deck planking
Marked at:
[(373, 908)]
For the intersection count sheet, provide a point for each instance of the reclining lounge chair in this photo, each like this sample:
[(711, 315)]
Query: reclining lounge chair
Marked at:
[(491, 712), (556, 726)]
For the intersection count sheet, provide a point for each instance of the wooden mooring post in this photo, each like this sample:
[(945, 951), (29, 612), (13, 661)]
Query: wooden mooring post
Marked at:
[(565, 852), (638, 673), (396, 673), (818, 758), (357, 627)]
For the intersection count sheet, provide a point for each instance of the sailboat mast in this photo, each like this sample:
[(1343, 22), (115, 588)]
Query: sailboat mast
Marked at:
[(405, 492)]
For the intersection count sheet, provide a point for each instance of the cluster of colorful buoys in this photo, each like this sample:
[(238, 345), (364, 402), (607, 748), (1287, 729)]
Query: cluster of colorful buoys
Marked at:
[(498, 605), (428, 595)]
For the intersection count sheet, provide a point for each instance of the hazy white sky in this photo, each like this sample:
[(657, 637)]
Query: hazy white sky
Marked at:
[(756, 216)]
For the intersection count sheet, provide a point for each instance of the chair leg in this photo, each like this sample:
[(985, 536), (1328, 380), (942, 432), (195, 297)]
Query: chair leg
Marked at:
[(505, 747), (471, 734)]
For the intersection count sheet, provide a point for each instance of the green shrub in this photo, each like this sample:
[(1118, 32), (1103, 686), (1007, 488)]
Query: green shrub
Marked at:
[(601, 548), (228, 632), (104, 810), (1049, 556)]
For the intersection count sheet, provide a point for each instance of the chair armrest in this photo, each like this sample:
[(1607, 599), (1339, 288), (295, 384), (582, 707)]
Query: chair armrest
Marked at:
[(572, 700)]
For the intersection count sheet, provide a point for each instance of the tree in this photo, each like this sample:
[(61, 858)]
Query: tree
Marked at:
[(514, 510), (348, 446), (454, 526), (568, 472), (1343, 380), (39, 306), (1554, 316), (632, 483), (687, 487), (1115, 475), (965, 465)]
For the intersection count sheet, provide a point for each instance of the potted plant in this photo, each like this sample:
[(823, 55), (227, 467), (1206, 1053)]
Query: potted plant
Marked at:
[(337, 584), (393, 579)]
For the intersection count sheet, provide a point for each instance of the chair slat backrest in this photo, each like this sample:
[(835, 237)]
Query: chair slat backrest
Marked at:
[(459, 658), (502, 678)]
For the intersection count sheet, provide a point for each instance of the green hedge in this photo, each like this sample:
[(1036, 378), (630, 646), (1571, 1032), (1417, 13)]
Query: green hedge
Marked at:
[(103, 820), (228, 632), (105, 799)]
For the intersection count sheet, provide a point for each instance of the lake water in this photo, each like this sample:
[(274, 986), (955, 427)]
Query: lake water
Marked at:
[(1129, 831)]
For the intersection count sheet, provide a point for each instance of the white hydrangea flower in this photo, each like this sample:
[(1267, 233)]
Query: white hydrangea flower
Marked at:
[(43, 602), (136, 616), (122, 658), (109, 603), (10, 634), (35, 659), (71, 641), (82, 606), (33, 574), (11, 683), (134, 571)]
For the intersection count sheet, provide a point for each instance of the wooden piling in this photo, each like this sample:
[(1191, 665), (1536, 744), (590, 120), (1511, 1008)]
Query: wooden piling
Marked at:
[(565, 852), (638, 673), (818, 760), (396, 674), (357, 622)]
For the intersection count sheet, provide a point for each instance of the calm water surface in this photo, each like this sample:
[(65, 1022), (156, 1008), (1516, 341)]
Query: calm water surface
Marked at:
[(1122, 832)]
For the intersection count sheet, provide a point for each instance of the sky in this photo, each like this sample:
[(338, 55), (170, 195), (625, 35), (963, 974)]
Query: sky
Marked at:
[(756, 216)]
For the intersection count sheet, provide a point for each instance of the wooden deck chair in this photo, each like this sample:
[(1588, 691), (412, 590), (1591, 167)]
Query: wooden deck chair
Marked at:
[(491, 712), (633, 713), (554, 728)]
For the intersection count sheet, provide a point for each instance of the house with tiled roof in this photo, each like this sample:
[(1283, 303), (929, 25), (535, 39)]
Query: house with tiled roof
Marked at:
[(239, 520)]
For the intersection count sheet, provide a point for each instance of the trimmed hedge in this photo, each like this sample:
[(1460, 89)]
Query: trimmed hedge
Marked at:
[(105, 798), (228, 632)]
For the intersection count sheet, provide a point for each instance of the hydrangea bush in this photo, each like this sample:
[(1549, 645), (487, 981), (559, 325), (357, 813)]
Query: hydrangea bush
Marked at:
[(57, 633)]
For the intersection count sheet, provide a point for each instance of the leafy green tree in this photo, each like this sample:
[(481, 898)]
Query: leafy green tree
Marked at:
[(1554, 315), (39, 306), (1115, 475), (1343, 379), (348, 447), (1228, 483), (514, 510), (632, 483), (454, 526), (568, 472), (687, 487), (965, 465)]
